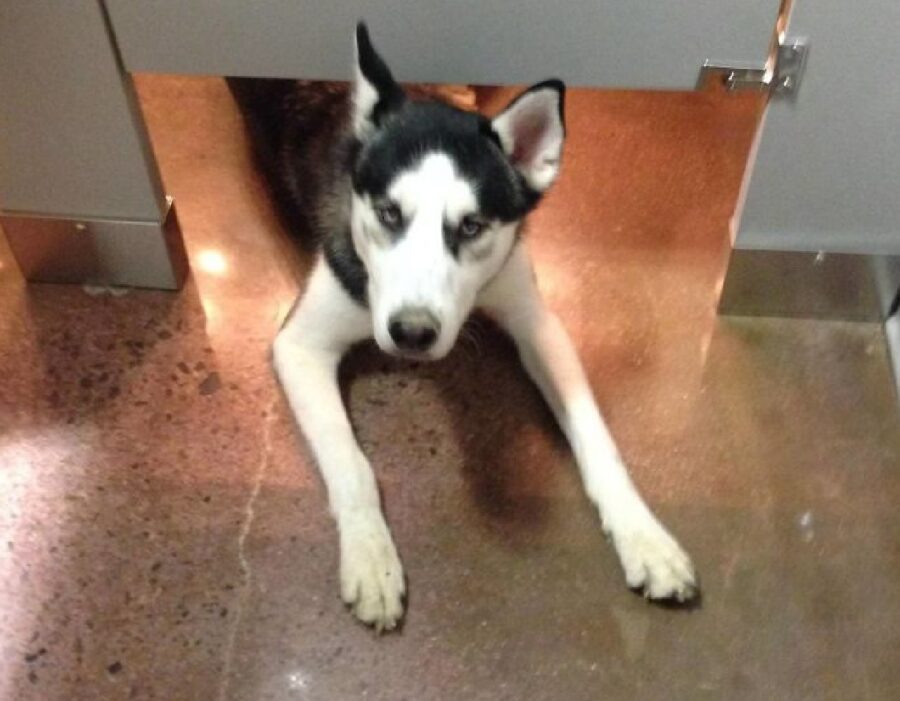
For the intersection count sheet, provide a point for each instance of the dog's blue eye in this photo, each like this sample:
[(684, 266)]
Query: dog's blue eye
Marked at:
[(389, 215), (470, 228)]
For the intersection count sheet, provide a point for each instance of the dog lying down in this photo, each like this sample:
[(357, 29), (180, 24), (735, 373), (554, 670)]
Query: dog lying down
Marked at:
[(417, 208)]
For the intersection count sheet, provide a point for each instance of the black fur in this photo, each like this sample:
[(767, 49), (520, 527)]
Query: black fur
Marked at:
[(295, 130), (302, 143), (373, 67), (419, 127)]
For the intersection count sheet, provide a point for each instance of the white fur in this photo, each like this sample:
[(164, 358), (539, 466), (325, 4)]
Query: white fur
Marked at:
[(651, 558), (307, 353), (417, 270), (364, 96)]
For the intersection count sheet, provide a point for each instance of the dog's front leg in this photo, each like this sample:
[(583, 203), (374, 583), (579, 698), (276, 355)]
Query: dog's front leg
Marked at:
[(307, 352), (652, 560)]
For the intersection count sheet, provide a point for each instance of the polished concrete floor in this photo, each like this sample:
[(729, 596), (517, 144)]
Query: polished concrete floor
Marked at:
[(164, 534)]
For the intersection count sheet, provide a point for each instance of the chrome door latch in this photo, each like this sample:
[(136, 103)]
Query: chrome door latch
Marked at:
[(779, 77)]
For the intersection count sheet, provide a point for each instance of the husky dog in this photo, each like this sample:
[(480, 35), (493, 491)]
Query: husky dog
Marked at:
[(417, 207)]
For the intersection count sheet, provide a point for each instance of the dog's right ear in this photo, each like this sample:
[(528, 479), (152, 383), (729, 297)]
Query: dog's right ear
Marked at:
[(375, 92)]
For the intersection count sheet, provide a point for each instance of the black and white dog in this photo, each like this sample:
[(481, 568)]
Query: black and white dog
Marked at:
[(417, 207)]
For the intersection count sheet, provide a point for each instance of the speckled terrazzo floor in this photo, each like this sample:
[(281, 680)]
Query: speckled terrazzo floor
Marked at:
[(164, 535)]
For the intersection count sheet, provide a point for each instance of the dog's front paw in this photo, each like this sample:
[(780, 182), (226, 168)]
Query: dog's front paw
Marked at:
[(654, 562), (371, 574)]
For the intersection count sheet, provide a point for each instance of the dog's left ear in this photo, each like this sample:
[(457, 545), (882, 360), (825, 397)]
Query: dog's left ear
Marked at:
[(375, 92), (531, 131)]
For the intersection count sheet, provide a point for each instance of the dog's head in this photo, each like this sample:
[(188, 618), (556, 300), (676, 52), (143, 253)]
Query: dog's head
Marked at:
[(438, 198)]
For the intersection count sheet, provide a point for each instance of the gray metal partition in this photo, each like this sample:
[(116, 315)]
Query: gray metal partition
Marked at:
[(828, 166), (80, 194), (819, 230), (599, 43)]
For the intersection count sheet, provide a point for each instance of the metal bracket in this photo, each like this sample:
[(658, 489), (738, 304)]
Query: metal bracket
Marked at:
[(779, 77), (132, 253), (790, 64)]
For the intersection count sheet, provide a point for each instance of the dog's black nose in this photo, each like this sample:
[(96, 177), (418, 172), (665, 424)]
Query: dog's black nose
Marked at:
[(414, 329)]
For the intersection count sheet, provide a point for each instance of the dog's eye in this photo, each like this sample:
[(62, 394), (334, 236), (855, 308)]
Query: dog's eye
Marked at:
[(470, 228), (389, 215)]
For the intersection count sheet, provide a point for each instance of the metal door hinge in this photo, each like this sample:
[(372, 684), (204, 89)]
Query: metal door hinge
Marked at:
[(779, 77)]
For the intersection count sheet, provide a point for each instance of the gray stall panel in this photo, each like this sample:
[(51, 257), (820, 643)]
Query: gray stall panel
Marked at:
[(70, 144), (827, 173), (614, 43)]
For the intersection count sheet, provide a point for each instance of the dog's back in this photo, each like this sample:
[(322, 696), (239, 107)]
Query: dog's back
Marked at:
[(295, 128)]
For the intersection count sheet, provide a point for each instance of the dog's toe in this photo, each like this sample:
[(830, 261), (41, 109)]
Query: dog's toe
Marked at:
[(371, 574), (655, 564)]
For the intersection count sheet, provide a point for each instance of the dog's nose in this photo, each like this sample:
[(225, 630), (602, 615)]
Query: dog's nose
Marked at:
[(414, 329)]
